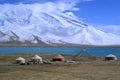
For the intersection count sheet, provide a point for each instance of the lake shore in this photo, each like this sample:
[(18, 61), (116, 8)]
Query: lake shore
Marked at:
[(95, 70), (18, 44)]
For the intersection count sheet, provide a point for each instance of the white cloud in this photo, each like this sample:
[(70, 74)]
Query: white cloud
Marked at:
[(67, 5), (49, 6), (59, 4)]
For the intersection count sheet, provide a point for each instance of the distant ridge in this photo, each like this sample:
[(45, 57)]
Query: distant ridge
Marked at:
[(22, 25)]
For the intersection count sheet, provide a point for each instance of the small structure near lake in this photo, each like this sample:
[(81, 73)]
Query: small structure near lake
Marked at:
[(20, 60), (110, 57), (58, 58), (37, 59)]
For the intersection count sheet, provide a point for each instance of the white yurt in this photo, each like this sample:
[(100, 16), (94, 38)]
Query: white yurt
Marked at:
[(20, 60), (37, 59), (111, 57)]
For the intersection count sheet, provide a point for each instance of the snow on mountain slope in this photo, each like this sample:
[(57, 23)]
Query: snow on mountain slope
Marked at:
[(25, 23)]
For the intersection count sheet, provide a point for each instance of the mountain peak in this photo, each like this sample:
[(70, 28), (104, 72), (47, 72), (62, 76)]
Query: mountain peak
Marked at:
[(35, 26)]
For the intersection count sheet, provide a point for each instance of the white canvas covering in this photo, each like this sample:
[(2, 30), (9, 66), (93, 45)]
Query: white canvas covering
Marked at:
[(20, 59), (111, 55), (37, 59)]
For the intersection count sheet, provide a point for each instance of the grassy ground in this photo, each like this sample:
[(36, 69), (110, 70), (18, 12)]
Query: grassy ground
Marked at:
[(97, 70)]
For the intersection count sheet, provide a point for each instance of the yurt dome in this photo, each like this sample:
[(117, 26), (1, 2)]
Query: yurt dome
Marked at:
[(58, 58), (20, 59), (36, 57), (111, 57)]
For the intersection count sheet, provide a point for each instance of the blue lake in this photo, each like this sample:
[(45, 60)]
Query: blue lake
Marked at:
[(100, 52)]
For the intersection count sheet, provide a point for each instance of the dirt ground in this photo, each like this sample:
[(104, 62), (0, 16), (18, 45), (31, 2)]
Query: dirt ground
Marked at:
[(95, 70)]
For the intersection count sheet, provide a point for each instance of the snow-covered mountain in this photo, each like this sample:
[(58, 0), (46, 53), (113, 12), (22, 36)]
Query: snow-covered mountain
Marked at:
[(26, 23)]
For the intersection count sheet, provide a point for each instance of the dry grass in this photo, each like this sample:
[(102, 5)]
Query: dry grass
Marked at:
[(98, 70)]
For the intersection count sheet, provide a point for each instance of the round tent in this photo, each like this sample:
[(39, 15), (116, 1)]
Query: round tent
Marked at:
[(58, 58), (110, 57), (20, 60), (37, 59)]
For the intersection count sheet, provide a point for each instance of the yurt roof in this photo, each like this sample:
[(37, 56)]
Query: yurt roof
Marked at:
[(58, 56), (36, 57), (110, 55), (20, 58)]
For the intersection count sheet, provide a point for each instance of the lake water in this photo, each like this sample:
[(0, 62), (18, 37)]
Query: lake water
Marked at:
[(100, 52)]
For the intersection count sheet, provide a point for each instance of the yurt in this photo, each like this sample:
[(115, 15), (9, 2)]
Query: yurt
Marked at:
[(37, 59), (110, 57), (58, 58), (20, 60)]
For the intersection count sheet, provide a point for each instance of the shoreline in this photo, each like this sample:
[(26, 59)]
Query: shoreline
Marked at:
[(66, 46)]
